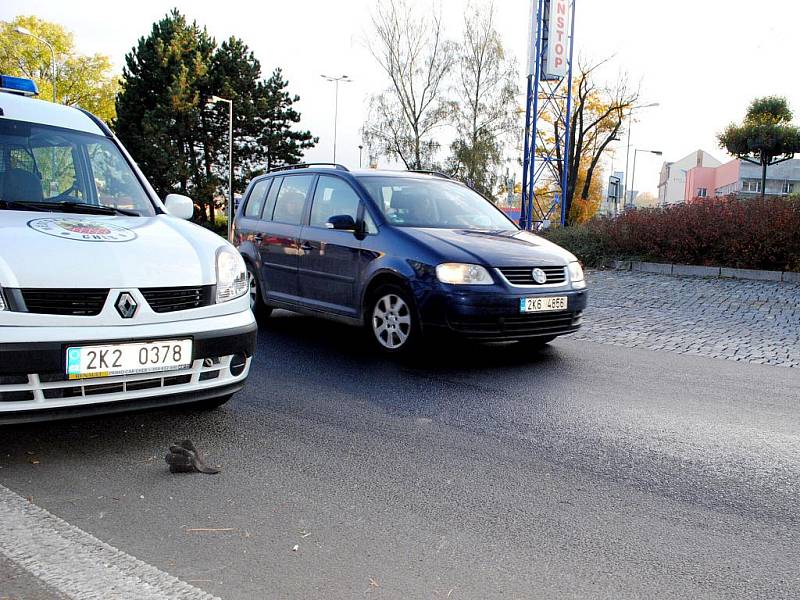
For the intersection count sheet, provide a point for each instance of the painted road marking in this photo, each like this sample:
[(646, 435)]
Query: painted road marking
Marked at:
[(77, 564)]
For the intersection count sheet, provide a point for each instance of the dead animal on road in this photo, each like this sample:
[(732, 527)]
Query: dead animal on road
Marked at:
[(185, 458)]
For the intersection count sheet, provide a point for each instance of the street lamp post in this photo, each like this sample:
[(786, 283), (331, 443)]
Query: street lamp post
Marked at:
[(336, 80), (633, 175), (214, 100), (26, 31), (628, 149), (360, 149)]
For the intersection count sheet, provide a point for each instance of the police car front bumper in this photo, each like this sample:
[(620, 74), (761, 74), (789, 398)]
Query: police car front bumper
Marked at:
[(34, 385)]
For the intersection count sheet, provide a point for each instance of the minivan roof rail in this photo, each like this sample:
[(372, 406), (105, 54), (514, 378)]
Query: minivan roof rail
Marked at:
[(435, 173), (336, 166)]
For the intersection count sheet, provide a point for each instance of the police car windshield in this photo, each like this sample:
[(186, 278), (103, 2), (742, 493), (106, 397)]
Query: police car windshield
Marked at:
[(54, 169), (438, 203)]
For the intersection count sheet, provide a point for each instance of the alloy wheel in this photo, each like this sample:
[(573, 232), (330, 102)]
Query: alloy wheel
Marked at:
[(391, 321), (253, 287)]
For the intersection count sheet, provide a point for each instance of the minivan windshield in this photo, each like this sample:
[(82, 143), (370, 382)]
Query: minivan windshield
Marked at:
[(417, 202), (46, 168)]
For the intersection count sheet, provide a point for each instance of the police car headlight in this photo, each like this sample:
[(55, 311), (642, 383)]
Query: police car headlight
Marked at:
[(463, 274), (231, 275)]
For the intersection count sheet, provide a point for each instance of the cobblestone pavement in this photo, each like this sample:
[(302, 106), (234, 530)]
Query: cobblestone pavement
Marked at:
[(751, 321)]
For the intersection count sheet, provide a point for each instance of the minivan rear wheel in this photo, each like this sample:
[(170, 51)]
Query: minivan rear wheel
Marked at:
[(392, 320), (260, 310)]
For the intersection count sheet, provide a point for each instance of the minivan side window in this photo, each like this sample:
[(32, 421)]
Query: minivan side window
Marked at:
[(273, 194), (255, 203), (291, 199), (333, 197)]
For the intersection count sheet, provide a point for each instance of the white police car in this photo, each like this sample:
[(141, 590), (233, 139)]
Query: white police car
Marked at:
[(109, 299)]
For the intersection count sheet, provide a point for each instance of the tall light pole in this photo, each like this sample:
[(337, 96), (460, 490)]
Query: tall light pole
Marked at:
[(628, 150), (26, 31), (336, 80), (214, 100), (360, 149), (633, 175)]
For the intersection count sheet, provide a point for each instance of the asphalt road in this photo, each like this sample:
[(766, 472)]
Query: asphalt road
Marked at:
[(584, 470)]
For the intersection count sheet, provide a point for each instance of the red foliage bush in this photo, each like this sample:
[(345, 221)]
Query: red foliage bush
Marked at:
[(751, 233)]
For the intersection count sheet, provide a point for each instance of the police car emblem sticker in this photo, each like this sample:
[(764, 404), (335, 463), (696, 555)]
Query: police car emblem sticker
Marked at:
[(83, 230)]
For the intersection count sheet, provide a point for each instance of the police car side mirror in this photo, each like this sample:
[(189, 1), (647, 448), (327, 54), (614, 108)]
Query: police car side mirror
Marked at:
[(179, 206)]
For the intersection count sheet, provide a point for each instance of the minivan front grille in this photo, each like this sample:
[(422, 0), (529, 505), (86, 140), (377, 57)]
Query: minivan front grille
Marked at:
[(524, 275), (164, 300), (61, 301)]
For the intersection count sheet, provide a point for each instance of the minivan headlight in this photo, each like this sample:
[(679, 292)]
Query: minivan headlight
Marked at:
[(3, 305), (231, 275), (463, 274), (576, 274)]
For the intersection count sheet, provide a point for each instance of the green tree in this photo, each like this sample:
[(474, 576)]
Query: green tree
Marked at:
[(276, 116), (178, 138), (410, 47), (159, 107), (85, 81), (484, 111), (766, 137)]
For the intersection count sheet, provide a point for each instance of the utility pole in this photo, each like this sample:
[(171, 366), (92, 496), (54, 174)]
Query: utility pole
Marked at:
[(336, 80), (26, 31), (215, 99)]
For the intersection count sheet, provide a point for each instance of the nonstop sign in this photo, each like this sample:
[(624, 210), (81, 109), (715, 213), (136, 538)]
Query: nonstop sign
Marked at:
[(556, 44), (556, 63)]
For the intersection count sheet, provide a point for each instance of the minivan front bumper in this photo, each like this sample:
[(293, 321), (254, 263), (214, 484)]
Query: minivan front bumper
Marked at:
[(494, 315)]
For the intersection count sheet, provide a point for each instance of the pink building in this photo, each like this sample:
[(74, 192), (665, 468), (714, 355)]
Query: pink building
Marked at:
[(741, 177)]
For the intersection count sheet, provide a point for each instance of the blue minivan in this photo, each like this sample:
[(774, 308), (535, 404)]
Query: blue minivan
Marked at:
[(402, 253)]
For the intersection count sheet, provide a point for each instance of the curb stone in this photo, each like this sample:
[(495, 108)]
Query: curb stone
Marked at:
[(647, 267), (751, 274), (695, 270), (704, 271)]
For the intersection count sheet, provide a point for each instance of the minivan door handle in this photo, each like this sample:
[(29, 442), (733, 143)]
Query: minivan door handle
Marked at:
[(306, 247), (258, 237)]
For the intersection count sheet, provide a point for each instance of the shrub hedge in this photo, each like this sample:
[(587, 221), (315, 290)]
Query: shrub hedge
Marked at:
[(747, 233)]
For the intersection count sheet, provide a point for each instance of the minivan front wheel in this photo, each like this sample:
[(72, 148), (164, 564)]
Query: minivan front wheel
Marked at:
[(392, 320), (260, 310)]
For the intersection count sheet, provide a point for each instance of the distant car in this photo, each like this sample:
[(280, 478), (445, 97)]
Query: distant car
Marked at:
[(109, 299), (402, 253)]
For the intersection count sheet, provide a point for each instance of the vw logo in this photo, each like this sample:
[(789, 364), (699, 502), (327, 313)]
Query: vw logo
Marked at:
[(539, 276), (126, 305)]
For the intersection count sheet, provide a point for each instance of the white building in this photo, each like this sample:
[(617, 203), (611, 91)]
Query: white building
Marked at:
[(672, 181)]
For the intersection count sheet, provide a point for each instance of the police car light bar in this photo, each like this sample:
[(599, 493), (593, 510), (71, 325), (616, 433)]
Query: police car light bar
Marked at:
[(18, 85)]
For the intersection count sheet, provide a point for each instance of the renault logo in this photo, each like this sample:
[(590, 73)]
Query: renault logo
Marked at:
[(539, 276), (126, 305)]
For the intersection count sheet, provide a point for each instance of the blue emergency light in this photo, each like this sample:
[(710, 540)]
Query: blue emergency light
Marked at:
[(18, 85)]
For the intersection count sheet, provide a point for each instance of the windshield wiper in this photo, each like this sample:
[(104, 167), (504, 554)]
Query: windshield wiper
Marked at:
[(85, 208), (99, 208), (13, 205)]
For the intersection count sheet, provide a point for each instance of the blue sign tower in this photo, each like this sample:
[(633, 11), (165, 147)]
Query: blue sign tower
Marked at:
[(547, 112)]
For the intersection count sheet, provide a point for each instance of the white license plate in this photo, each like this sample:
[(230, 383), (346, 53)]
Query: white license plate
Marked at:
[(108, 360), (542, 304)]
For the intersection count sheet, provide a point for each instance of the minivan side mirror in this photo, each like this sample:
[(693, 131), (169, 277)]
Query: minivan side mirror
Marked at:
[(341, 222), (179, 206)]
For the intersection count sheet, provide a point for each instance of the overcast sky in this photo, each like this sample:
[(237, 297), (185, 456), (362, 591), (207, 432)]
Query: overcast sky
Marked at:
[(702, 60)]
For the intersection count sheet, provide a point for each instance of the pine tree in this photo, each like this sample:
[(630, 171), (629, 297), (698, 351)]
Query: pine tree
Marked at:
[(178, 138), (276, 116)]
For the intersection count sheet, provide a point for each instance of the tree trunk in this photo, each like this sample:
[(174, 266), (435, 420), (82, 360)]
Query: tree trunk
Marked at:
[(764, 163)]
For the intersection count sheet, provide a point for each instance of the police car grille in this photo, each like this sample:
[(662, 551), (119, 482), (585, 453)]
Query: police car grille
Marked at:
[(164, 300), (524, 275), (76, 302)]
